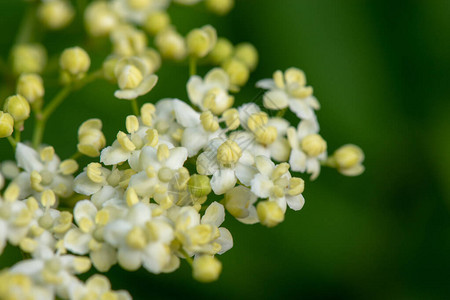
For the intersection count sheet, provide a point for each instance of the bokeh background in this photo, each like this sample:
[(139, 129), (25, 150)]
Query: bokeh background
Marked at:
[(381, 70)]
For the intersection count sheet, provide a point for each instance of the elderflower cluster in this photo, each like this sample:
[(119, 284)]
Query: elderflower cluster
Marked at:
[(158, 194)]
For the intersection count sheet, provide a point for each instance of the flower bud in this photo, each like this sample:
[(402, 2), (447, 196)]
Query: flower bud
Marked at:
[(206, 268), (109, 66), (220, 7), (314, 145), (199, 185), (269, 213), (90, 138), (128, 41), (6, 124), (171, 44), (348, 160), (28, 58), (18, 107), (30, 86), (247, 53), (156, 22), (152, 60), (99, 19), (221, 51), (201, 41), (55, 14), (75, 61), (237, 71), (129, 77)]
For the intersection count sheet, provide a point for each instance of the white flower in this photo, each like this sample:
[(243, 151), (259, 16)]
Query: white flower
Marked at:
[(141, 240), (87, 238), (276, 184), (15, 220), (226, 161), (308, 148), (96, 287), (136, 11), (158, 168), (239, 201), (133, 77), (41, 171), (212, 92), (289, 90)]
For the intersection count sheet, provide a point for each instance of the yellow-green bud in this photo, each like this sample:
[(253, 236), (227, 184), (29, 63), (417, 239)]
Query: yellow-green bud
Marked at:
[(314, 145), (18, 107), (156, 22), (109, 67), (201, 41), (348, 156), (6, 124), (269, 213), (90, 138), (75, 61), (99, 18), (220, 7), (55, 14), (221, 51), (237, 71), (171, 44), (30, 86), (28, 58), (199, 185), (247, 54), (206, 268), (152, 60)]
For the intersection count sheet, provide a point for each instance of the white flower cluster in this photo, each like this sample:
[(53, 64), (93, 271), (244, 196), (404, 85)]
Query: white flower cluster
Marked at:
[(158, 194)]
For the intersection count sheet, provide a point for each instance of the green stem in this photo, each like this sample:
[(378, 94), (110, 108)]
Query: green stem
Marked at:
[(281, 113), (135, 107), (41, 119), (188, 258), (27, 26), (12, 142), (76, 155), (192, 65), (17, 131)]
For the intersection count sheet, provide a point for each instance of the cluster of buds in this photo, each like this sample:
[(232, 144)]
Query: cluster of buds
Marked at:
[(158, 195)]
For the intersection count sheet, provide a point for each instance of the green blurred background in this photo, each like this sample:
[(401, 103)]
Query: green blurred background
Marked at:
[(381, 70)]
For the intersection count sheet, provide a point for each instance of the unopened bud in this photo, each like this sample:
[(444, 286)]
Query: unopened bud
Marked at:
[(18, 107), (28, 58), (220, 7), (237, 71), (221, 51), (200, 41), (206, 268), (75, 61), (6, 124), (247, 53), (55, 14), (156, 22), (199, 185)]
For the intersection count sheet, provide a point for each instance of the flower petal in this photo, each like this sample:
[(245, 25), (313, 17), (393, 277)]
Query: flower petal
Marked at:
[(222, 181)]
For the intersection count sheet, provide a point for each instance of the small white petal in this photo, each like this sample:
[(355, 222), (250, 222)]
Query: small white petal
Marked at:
[(77, 242), (225, 240), (275, 100), (261, 186), (222, 181), (301, 109), (28, 159), (177, 158), (214, 214), (297, 160), (129, 259), (267, 84)]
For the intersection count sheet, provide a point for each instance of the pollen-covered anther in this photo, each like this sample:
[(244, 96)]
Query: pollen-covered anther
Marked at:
[(35, 181), (81, 264), (147, 111), (163, 152), (63, 222), (229, 153), (12, 192), (136, 238), (277, 191), (209, 121), (23, 218), (301, 91), (278, 78), (131, 197), (231, 117), (269, 213), (125, 141), (102, 217), (152, 137), (94, 172), (280, 170), (47, 154), (48, 198), (28, 245), (257, 121), (68, 167), (314, 145), (296, 186), (132, 124)]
